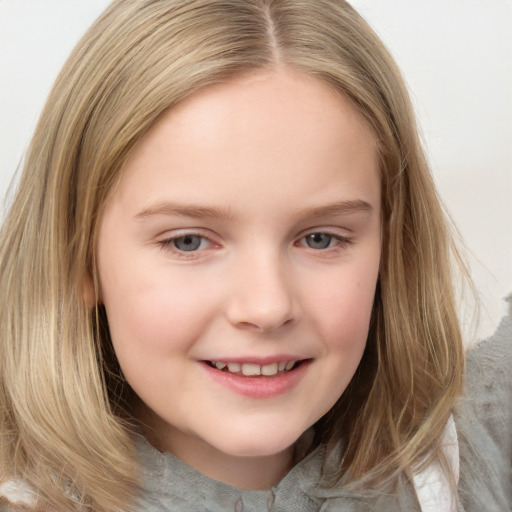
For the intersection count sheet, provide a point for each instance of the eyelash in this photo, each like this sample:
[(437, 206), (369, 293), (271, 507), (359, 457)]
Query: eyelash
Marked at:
[(168, 243), (342, 241)]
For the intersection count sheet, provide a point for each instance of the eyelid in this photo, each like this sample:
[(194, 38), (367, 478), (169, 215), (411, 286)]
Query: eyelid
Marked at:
[(166, 242), (332, 231), (343, 239)]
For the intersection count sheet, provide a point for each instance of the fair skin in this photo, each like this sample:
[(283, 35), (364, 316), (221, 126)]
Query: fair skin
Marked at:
[(238, 258)]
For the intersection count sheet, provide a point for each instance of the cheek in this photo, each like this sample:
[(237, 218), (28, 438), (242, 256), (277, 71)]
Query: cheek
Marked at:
[(153, 315), (343, 310), (343, 322)]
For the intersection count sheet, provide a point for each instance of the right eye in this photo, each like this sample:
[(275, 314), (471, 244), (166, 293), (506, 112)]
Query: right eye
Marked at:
[(318, 240), (186, 243)]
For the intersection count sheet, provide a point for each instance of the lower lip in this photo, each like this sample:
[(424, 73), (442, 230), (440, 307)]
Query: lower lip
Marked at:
[(259, 387)]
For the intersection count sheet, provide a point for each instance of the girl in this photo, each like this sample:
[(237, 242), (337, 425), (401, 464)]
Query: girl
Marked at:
[(225, 277)]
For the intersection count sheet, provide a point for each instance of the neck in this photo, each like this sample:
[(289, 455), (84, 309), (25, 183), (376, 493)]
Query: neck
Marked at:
[(245, 472)]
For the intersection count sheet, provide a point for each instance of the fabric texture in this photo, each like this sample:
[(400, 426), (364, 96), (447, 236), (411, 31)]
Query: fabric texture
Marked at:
[(484, 427), (431, 485), (172, 485)]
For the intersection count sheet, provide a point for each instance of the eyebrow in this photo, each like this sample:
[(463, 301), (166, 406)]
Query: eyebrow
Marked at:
[(338, 208), (185, 210), (202, 212)]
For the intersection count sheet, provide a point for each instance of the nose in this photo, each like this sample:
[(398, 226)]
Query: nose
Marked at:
[(262, 297)]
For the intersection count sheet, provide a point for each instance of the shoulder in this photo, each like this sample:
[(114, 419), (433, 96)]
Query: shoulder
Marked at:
[(488, 388), (484, 424)]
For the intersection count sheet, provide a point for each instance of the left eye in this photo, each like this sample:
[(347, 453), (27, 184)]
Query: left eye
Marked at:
[(187, 243), (321, 241)]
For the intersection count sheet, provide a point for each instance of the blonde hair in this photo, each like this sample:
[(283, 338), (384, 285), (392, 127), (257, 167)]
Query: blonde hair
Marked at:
[(63, 403)]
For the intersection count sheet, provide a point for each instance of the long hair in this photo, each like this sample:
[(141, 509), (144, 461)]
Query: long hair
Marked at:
[(63, 404)]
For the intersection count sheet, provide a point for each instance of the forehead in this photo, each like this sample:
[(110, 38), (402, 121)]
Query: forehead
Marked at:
[(256, 133)]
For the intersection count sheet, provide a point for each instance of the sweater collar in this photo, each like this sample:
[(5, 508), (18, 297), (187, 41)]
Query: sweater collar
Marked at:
[(169, 483)]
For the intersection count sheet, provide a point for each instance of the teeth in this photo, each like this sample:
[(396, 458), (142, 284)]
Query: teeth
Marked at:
[(269, 369), (234, 367), (251, 369)]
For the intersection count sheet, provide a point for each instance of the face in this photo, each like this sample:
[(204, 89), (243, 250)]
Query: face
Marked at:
[(238, 259)]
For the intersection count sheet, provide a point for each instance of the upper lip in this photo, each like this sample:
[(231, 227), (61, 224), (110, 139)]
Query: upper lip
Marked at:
[(262, 361)]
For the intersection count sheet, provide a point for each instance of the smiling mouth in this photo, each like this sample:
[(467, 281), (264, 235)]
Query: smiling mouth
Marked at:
[(256, 370)]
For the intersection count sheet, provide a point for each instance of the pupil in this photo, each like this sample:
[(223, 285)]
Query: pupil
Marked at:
[(187, 243), (319, 240)]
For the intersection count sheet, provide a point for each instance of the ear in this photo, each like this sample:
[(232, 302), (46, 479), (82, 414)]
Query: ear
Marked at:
[(88, 291)]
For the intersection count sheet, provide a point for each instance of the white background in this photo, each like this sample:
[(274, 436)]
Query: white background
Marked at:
[(457, 59)]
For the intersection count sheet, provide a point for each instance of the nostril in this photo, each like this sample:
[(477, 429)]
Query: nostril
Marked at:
[(261, 304), (264, 326)]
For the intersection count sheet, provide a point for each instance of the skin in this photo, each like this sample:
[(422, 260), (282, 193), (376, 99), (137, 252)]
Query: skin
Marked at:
[(252, 167)]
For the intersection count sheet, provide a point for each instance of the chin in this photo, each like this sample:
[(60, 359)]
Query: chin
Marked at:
[(258, 445)]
